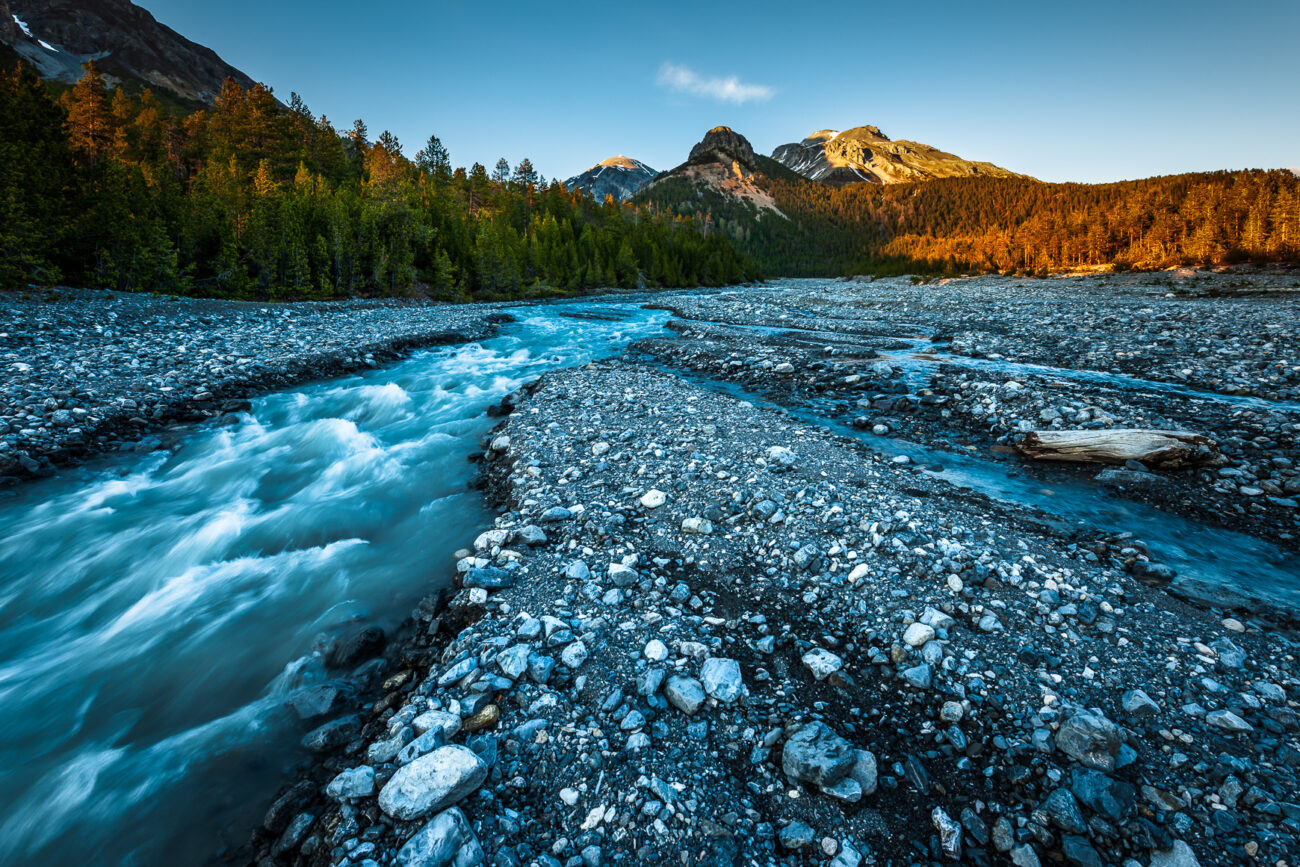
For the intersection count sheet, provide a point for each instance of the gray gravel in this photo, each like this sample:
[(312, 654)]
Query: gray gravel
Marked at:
[(83, 372), (704, 633)]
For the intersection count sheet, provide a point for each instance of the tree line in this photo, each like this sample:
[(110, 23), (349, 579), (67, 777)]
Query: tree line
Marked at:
[(254, 199)]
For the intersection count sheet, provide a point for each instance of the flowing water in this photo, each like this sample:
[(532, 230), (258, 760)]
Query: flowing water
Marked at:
[(155, 609)]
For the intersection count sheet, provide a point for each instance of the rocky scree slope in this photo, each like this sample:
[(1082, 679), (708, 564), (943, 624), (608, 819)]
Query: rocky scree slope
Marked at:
[(703, 633), (618, 176), (127, 43), (722, 164), (865, 154)]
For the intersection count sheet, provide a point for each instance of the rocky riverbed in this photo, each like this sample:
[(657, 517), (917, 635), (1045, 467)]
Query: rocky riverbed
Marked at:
[(715, 623), (971, 366), (705, 631), (85, 372)]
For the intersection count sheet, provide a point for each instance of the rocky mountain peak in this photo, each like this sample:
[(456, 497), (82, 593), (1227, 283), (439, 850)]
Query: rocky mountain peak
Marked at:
[(618, 176), (864, 154), (725, 142), (621, 162), (127, 43)]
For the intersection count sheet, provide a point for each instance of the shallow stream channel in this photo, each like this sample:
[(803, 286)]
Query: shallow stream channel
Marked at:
[(158, 611)]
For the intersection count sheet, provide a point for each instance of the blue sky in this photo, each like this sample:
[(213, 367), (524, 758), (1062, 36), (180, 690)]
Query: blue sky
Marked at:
[(1089, 92)]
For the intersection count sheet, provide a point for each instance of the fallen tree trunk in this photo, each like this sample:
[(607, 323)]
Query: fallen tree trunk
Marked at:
[(1168, 449)]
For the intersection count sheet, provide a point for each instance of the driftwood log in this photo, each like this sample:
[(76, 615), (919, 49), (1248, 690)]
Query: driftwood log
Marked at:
[(1168, 449)]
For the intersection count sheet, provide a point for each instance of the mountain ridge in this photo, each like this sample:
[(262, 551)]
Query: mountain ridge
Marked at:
[(864, 154), (129, 45)]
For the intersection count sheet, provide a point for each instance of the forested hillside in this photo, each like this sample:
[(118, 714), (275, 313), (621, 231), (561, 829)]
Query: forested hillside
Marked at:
[(973, 224), (965, 224), (255, 200)]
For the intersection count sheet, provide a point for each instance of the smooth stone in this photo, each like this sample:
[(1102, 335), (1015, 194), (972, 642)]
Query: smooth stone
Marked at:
[(864, 771), (352, 783), (653, 498), (1228, 722), (446, 723), (432, 782), (684, 693), (446, 841), (655, 650), (822, 663), (918, 634), (796, 835), (1089, 738), (574, 655)]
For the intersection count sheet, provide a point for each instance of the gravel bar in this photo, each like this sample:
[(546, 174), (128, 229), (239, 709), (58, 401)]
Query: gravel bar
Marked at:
[(703, 632), (94, 371)]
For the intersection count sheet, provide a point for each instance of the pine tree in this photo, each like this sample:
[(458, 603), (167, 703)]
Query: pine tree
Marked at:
[(501, 173), (90, 118), (433, 159)]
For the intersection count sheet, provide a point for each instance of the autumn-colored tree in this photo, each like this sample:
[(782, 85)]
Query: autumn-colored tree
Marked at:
[(90, 117)]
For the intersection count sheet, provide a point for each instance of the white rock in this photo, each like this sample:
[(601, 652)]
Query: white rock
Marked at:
[(432, 783), (781, 456), (574, 655), (918, 634), (655, 650), (721, 679), (447, 723), (822, 663), (352, 783), (653, 498), (700, 526)]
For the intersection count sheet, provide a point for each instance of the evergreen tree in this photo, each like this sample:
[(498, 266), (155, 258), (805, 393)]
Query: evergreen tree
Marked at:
[(90, 119)]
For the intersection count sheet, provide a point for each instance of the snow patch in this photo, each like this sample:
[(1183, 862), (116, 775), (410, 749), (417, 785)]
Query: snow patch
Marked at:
[(22, 25)]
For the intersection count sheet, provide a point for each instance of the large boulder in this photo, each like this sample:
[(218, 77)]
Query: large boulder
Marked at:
[(1089, 738), (446, 841), (433, 782), (815, 754)]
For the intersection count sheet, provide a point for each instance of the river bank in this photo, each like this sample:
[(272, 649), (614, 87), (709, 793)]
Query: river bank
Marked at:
[(87, 372), (703, 632)]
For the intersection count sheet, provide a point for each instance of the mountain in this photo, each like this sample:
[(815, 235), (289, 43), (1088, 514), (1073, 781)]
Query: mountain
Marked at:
[(618, 176), (128, 45), (722, 165), (865, 154)]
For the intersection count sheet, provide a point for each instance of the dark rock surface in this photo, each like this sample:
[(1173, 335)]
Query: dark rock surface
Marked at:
[(722, 142), (124, 40)]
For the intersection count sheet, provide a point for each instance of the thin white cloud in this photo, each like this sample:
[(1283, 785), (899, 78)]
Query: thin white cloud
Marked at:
[(683, 79)]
